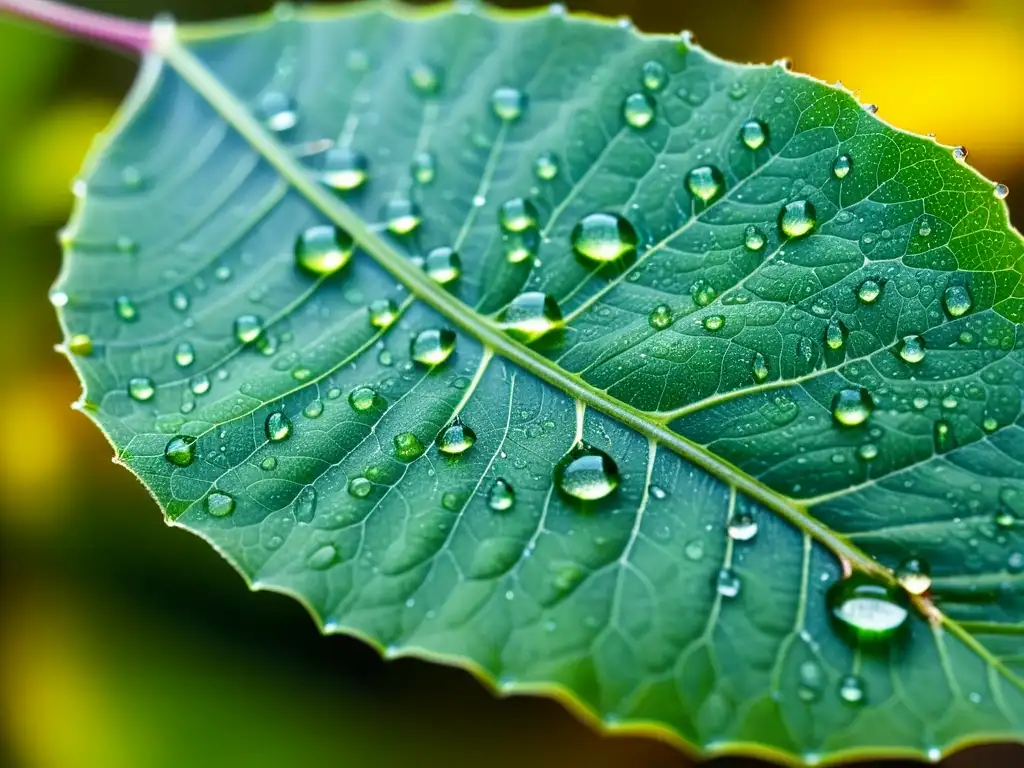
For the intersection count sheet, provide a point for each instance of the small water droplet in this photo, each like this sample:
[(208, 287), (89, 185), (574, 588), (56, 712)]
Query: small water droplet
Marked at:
[(278, 111), (705, 183), (382, 313), (184, 354), (852, 689), (219, 504), (323, 250), (638, 110), (344, 169), (753, 238), (742, 527), (408, 446), (810, 681), (80, 344), (359, 487), (957, 300), (141, 388), (1000, 191), (869, 291), (912, 349), (586, 473), (313, 410), (915, 576), (248, 328), (727, 583), (363, 398), (180, 301), (425, 78), (424, 168), (654, 75), (180, 450), (403, 215), (432, 346), (759, 368), (944, 437), (277, 426), (501, 496), (868, 612), (545, 167), (990, 424), (714, 322), (125, 309), (960, 153), (842, 166), (530, 315), (797, 218), (851, 407), (868, 452), (508, 103), (443, 265), (517, 214), (754, 134), (456, 438), (604, 237), (660, 317), (694, 550), (520, 246), (835, 334), (199, 384), (323, 558)]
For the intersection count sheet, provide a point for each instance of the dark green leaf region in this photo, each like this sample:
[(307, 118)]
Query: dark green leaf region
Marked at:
[(685, 390)]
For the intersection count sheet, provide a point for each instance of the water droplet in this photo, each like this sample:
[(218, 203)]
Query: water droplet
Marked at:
[(867, 611), (654, 75), (520, 246), (184, 354), (742, 527), (456, 438), (851, 407), (753, 238), (363, 398), (530, 315), (382, 313), (1000, 191), (59, 298), (638, 110), (180, 450), (915, 576), (452, 501), (359, 487), (990, 424), (705, 183), (443, 265), (660, 317), (841, 166), (869, 291), (508, 103), (944, 437), (703, 293), (248, 328), (714, 322), (754, 134), (432, 346), (125, 309), (1004, 518), (80, 344), (277, 426), (868, 452), (912, 349), (727, 583), (960, 153), (586, 473), (501, 496), (810, 681), (835, 334), (425, 78), (759, 368), (314, 409), (517, 214), (344, 169), (323, 558), (199, 384), (957, 300), (603, 237), (424, 168), (403, 215), (694, 550), (851, 689), (323, 249), (408, 446), (141, 388), (219, 504), (797, 218), (305, 504), (179, 301), (545, 167), (278, 111), (269, 463)]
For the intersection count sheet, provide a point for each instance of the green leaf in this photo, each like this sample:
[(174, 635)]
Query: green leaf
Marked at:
[(849, 395)]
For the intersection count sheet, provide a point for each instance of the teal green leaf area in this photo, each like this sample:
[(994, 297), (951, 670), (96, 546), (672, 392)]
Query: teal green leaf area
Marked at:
[(576, 357)]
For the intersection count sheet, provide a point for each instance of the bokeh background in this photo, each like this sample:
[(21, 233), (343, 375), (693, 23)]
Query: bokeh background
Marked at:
[(127, 643)]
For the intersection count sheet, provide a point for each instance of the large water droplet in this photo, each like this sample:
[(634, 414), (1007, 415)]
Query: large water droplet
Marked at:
[(403, 215), (915, 576), (957, 300), (199, 384), (530, 315), (248, 328), (841, 166), (754, 134), (742, 527), (866, 611), (125, 309), (1000, 191), (443, 265), (851, 407), (604, 237), (797, 218), (912, 349), (869, 291), (727, 583), (960, 153), (141, 388), (408, 446), (180, 450), (432, 346), (545, 167), (323, 249), (705, 183), (753, 238), (363, 398), (344, 169), (660, 317), (305, 504), (456, 438), (278, 111), (586, 473), (219, 504), (852, 689), (382, 313), (277, 426), (517, 214), (508, 103), (638, 110), (323, 558), (501, 496), (654, 75)]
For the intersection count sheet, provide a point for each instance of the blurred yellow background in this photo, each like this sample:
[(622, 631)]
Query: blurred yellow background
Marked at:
[(125, 643)]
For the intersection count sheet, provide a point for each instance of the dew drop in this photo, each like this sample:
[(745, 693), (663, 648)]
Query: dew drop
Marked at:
[(199, 384), (797, 218), (835, 334), (508, 103), (742, 527), (184, 355), (141, 388), (603, 237), (960, 153), (841, 166), (851, 407), (943, 434), (314, 409), (305, 504), (278, 111), (915, 576), (1000, 191), (912, 349), (638, 110), (432, 346), (660, 317), (517, 214), (180, 450), (443, 265), (424, 168), (248, 328), (754, 134), (125, 309), (219, 504), (654, 75), (403, 215), (520, 246), (545, 167), (323, 250), (727, 583), (703, 293), (425, 78), (456, 438), (990, 424), (501, 496), (359, 487), (869, 291), (810, 681), (957, 300), (180, 301), (408, 446), (753, 238), (382, 313), (530, 315), (694, 550), (277, 426), (759, 368), (363, 398), (714, 322), (866, 611), (269, 463), (586, 473), (323, 558), (705, 183), (344, 169), (80, 344), (852, 689), (868, 452)]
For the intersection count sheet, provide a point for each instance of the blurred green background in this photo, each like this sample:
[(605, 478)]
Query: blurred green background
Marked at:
[(126, 643)]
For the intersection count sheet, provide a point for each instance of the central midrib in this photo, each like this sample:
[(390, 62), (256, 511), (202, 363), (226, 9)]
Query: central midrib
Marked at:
[(165, 44)]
